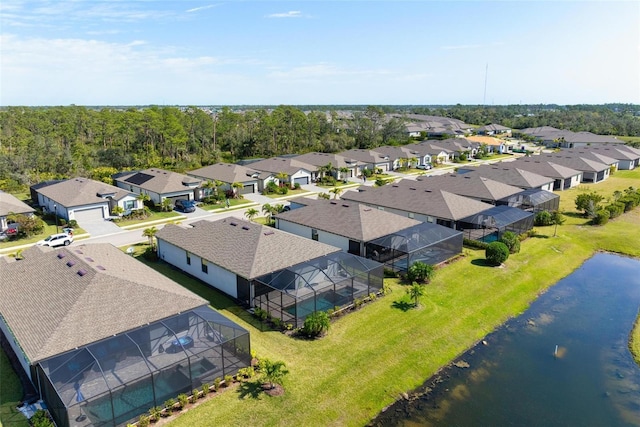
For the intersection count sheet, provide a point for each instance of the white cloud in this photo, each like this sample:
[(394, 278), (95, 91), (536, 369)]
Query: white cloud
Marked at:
[(197, 9), (290, 14)]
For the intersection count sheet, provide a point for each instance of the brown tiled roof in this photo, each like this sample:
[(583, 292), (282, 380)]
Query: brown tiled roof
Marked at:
[(81, 191), (470, 185), (437, 203), (159, 181), (245, 248), (55, 300), (10, 204), (226, 172), (352, 220)]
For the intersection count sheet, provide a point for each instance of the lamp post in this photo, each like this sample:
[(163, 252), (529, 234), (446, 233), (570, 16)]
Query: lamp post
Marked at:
[(55, 213)]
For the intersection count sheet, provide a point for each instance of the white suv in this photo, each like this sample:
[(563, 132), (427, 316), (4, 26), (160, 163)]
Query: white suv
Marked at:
[(56, 240)]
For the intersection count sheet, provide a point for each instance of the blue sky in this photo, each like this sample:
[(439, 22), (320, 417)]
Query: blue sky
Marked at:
[(143, 52)]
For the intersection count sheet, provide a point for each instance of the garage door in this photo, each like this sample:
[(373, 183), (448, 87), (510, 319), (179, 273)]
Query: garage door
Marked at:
[(302, 180), (88, 215), (248, 189)]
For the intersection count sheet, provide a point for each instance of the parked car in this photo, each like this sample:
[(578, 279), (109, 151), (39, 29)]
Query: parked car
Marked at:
[(185, 205), (60, 239), (424, 167)]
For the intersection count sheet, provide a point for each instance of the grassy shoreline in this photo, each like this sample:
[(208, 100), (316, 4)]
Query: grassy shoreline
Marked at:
[(372, 356)]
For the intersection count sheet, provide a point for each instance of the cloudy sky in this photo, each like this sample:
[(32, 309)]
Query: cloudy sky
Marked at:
[(119, 52)]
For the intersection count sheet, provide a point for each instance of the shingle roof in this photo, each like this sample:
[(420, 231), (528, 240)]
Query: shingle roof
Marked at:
[(286, 165), (55, 300), (81, 191), (542, 167), (242, 247), (513, 176), (226, 172), (437, 203), (616, 152), (322, 159), (352, 220), (365, 156), (159, 181), (469, 185), (10, 204), (575, 162)]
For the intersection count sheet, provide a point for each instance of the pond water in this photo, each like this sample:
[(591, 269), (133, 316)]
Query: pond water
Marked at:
[(518, 377)]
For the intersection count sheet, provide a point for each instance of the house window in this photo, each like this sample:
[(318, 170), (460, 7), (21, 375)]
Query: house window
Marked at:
[(205, 267), (129, 204), (411, 215), (314, 234), (188, 258), (380, 208)]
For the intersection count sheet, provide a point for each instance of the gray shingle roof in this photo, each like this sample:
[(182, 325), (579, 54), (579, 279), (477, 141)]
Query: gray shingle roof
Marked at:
[(542, 167), (81, 191), (514, 176), (437, 203), (352, 220), (470, 185), (286, 165), (574, 162), (10, 204), (159, 181), (322, 159), (365, 156), (616, 152), (246, 248), (51, 307), (226, 172)]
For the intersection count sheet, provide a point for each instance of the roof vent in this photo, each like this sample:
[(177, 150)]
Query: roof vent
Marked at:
[(61, 255), (99, 267), (411, 188), (71, 263), (245, 227), (395, 185), (82, 272), (334, 203), (366, 209), (78, 251), (268, 232), (345, 206), (89, 259), (233, 224)]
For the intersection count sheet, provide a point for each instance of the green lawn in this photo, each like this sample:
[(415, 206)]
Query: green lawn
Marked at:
[(10, 395), (232, 204), (373, 355)]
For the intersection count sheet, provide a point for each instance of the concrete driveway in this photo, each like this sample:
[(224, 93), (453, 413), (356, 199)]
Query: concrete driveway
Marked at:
[(100, 227)]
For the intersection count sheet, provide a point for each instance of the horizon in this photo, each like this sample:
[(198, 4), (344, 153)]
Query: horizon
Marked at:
[(265, 53)]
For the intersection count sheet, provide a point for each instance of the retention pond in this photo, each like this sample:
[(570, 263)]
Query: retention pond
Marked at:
[(564, 362)]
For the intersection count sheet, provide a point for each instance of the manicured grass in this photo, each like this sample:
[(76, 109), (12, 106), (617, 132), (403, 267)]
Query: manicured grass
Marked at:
[(232, 203), (290, 193), (10, 395), (155, 216)]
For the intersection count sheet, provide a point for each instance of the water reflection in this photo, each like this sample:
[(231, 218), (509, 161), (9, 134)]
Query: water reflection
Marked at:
[(519, 378)]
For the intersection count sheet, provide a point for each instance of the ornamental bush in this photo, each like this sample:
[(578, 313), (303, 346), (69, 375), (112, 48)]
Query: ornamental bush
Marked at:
[(497, 253), (512, 241), (316, 323), (601, 217), (542, 219)]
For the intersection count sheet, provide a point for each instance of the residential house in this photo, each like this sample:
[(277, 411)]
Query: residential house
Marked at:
[(559, 138), (103, 338), (369, 159), (512, 176), (159, 184), (83, 199), (493, 129), (593, 170), (228, 174), (628, 157), (344, 167), (287, 275), (366, 231), (492, 144), (468, 185), (401, 156), (9, 204), (563, 177), (284, 170)]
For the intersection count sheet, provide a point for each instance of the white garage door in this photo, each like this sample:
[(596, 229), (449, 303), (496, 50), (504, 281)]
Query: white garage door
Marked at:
[(304, 180), (89, 215)]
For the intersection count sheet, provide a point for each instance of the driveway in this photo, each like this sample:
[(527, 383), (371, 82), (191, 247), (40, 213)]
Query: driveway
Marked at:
[(100, 227)]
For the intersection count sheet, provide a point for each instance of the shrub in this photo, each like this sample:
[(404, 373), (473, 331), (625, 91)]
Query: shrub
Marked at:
[(367, 172), (542, 219), (155, 413), (73, 223), (41, 419), (497, 253), (601, 217), (183, 399), (512, 241), (228, 379), (296, 186), (316, 323), (169, 404), (216, 383), (615, 209), (260, 313), (420, 272), (470, 243), (283, 190), (205, 388), (143, 421), (389, 273)]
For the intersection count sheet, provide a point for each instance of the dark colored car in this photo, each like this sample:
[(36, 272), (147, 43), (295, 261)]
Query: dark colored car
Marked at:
[(185, 205)]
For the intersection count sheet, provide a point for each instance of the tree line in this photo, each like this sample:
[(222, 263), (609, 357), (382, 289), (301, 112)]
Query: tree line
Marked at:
[(43, 143)]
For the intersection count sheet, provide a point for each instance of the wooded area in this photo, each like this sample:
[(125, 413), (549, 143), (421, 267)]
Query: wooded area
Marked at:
[(43, 143)]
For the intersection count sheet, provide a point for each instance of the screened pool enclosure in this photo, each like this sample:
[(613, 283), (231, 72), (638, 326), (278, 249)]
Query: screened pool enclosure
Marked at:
[(488, 226), (425, 242), (534, 200), (333, 281), (112, 382)]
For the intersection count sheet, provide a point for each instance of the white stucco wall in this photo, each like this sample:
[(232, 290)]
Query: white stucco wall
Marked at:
[(217, 277), (323, 236)]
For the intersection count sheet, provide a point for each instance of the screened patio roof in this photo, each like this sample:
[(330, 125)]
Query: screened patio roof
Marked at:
[(497, 217), (319, 273), (532, 197), (415, 238)]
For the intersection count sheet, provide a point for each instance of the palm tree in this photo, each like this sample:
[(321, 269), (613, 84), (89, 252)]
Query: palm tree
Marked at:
[(336, 191), (150, 233), (274, 372), (415, 291), (343, 173), (251, 213), (282, 178), (166, 205), (236, 186), (143, 197)]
